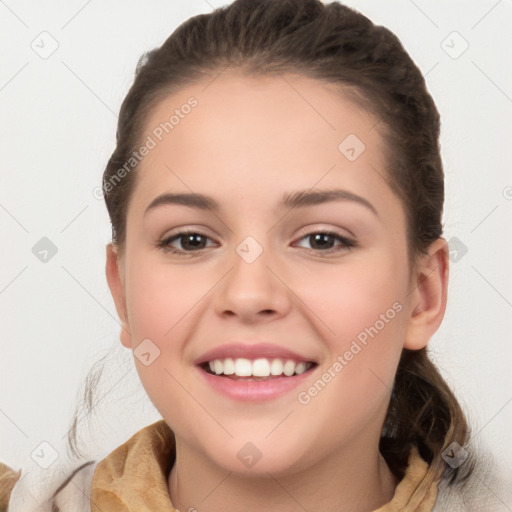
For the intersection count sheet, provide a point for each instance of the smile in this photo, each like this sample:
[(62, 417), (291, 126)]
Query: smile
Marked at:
[(258, 380), (261, 367)]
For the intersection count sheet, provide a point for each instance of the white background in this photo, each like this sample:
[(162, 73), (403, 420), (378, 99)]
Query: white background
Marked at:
[(58, 124)]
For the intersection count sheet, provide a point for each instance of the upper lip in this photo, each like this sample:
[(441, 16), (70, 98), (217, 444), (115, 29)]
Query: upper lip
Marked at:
[(250, 351)]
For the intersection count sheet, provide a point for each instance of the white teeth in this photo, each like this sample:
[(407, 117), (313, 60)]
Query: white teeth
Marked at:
[(289, 368), (300, 368), (243, 367), (276, 368), (261, 367), (218, 366), (229, 366)]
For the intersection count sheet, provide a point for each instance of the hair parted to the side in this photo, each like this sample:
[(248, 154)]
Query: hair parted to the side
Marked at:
[(335, 44)]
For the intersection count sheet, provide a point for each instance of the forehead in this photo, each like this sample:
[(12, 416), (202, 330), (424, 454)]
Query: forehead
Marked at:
[(235, 133), (246, 110)]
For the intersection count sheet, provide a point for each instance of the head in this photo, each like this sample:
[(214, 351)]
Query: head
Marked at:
[(262, 106)]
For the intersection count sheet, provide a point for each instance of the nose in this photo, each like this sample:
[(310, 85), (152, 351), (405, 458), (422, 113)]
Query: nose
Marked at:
[(254, 289)]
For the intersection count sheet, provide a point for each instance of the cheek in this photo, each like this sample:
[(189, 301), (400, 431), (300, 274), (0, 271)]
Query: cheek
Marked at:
[(158, 297), (167, 304), (160, 304), (360, 313), (348, 300)]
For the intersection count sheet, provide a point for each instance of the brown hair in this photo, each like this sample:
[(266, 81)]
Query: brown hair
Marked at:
[(335, 44)]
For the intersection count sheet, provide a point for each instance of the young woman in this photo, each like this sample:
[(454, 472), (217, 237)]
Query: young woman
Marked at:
[(278, 265)]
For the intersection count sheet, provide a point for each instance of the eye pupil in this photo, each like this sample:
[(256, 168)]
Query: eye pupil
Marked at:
[(318, 237), (193, 240)]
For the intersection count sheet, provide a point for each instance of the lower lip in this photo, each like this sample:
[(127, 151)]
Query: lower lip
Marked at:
[(257, 391)]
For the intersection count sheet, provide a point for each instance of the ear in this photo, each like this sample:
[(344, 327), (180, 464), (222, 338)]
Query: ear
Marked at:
[(115, 278), (428, 298)]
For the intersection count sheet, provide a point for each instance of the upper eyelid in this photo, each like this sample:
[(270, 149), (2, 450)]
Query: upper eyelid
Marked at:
[(183, 232), (334, 231), (303, 234), (304, 231)]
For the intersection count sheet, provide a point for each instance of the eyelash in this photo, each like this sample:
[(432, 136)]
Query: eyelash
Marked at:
[(346, 243)]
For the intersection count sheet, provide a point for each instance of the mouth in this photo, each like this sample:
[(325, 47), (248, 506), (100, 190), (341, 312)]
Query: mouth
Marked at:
[(256, 370)]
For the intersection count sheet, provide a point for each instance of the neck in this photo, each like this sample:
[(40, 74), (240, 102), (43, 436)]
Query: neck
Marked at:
[(357, 479)]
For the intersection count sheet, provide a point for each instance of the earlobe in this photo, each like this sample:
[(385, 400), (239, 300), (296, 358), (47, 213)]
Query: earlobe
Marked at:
[(114, 275), (428, 299)]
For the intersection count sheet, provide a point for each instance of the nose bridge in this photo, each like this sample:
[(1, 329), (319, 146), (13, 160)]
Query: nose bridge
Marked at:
[(251, 286), (250, 273)]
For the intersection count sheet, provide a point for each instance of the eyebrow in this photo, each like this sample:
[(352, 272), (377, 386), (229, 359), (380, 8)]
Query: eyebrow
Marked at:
[(298, 199)]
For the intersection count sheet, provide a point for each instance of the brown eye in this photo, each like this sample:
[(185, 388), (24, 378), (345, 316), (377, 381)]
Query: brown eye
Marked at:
[(186, 241), (323, 242)]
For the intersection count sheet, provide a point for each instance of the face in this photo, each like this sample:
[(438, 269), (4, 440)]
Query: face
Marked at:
[(321, 280)]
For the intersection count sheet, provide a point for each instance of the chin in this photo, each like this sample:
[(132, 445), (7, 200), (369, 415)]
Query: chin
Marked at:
[(258, 459)]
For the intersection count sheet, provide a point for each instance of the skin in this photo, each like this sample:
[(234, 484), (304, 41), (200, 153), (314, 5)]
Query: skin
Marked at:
[(249, 141)]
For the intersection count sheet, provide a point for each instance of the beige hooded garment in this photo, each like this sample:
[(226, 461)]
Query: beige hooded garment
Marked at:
[(133, 478)]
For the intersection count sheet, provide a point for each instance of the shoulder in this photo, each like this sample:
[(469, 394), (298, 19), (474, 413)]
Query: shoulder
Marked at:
[(66, 486), (8, 479), (487, 489), (60, 488)]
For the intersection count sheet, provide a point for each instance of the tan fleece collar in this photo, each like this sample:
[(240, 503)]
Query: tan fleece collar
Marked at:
[(133, 478)]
